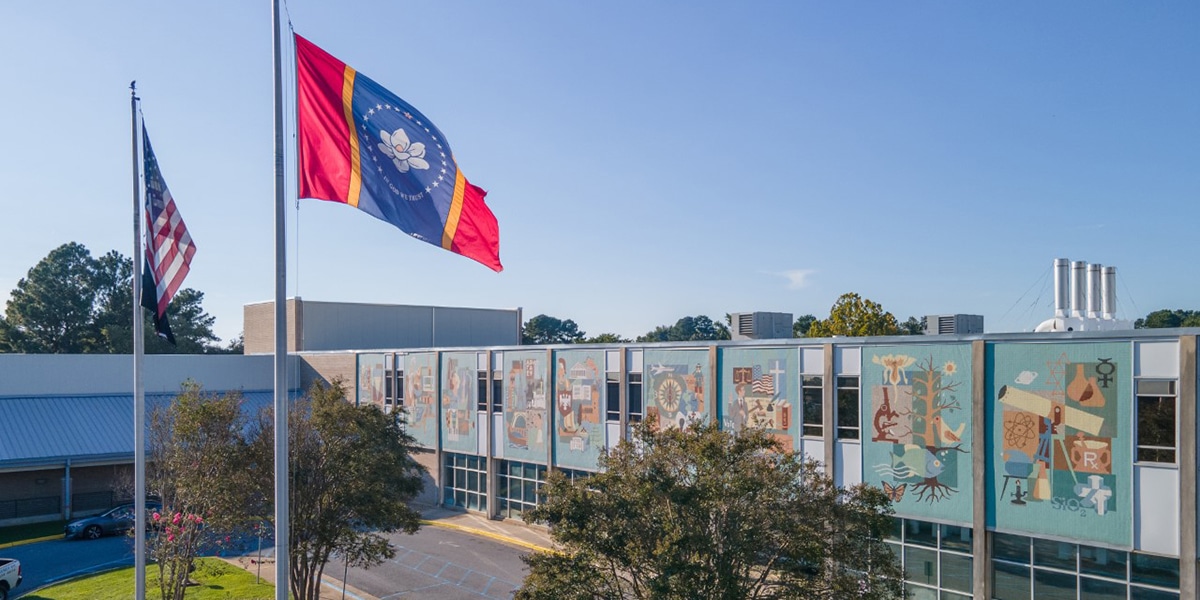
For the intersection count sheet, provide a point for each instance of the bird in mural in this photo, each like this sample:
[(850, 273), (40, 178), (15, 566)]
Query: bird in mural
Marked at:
[(946, 434)]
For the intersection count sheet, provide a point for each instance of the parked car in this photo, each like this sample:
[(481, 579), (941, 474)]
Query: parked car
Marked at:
[(116, 520), (10, 576)]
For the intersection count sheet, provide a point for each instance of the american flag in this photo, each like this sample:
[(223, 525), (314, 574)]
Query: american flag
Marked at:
[(169, 247), (763, 384)]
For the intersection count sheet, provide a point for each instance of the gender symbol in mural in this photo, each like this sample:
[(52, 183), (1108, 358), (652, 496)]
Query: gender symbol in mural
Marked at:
[(758, 395), (420, 401), (916, 413), (525, 406), (1057, 442), (676, 394), (579, 428), (458, 401)]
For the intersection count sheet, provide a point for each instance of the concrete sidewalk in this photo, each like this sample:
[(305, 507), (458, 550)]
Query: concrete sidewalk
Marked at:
[(513, 532)]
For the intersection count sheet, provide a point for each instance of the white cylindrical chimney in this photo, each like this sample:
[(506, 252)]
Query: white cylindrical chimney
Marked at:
[(1093, 291), (1108, 292), (1062, 279), (1078, 291)]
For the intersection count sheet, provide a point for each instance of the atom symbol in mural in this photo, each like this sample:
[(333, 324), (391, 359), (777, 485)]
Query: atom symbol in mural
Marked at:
[(1019, 431)]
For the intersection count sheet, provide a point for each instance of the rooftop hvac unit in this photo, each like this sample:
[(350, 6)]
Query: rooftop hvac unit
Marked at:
[(953, 324), (761, 325)]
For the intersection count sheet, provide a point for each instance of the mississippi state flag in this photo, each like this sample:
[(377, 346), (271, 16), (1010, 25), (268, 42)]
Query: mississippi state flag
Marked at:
[(362, 145)]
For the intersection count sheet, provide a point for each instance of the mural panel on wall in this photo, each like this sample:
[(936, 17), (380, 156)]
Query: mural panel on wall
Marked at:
[(679, 388), (420, 398), (579, 408), (761, 388), (460, 392), (525, 406), (1060, 460), (370, 380), (916, 423)]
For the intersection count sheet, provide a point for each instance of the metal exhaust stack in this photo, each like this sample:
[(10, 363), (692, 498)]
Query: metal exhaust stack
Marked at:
[(1108, 293), (1062, 278), (1078, 293), (1093, 291)]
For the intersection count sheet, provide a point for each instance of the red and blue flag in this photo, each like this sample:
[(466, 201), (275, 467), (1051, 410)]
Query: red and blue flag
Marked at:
[(361, 145)]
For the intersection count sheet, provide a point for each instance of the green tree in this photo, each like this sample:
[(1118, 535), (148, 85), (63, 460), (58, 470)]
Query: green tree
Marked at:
[(913, 326), (1169, 318), (544, 329), (352, 476), (51, 310), (800, 327), (73, 303), (702, 513), (688, 329), (200, 469), (605, 338), (853, 315)]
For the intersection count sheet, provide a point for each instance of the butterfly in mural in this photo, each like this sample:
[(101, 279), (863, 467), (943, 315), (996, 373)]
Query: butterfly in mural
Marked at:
[(894, 493)]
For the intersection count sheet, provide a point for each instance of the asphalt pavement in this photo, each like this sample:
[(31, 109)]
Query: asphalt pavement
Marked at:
[(454, 556)]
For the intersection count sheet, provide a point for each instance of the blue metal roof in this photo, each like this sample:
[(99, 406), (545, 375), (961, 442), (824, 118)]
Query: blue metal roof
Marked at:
[(48, 430)]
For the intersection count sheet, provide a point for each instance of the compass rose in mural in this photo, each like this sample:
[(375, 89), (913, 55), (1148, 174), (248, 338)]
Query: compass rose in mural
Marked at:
[(668, 394)]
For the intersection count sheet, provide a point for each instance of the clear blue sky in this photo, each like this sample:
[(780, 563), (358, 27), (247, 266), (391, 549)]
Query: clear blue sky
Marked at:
[(646, 160)]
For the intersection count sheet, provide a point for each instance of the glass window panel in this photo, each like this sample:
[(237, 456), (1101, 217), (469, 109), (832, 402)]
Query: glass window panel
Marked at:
[(613, 394), (1060, 555), (1013, 548), (920, 565), (530, 492), (847, 413), (1156, 387), (956, 572), (896, 531), (1098, 589), (1104, 562), (916, 592), (483, 482), (847, 382), (530, 471), (1155, 570), (952, 596), (1156, 421), (460, 498), (635, 396), (956, 537), (1010, 582), (896, 549), (812, 408), (497, 395), (1137, 593), (922, 533), (1051, 585)]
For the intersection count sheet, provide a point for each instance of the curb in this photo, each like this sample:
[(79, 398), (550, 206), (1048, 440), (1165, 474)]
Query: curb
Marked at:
[(46, 538), (488, 534)]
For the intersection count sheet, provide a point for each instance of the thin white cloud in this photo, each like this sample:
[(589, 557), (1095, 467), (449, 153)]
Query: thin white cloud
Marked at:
[(797, 278)]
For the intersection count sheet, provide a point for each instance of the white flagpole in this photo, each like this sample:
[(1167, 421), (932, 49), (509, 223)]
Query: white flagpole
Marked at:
[(281, 400), (139, 392)]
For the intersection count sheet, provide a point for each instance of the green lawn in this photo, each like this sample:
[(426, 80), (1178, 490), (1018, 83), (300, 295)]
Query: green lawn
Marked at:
[(218, 580), (20, 533)]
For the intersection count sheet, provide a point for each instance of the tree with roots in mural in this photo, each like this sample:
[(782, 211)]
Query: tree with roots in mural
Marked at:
[(915, 411)]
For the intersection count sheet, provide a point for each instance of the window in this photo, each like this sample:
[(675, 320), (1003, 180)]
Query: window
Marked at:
[(389, 371), (847, 408), (813, 402), (464, 481), (635, 397), (1029, 568), (497, 391), (936, 559), (481, 403), (613, 394), (1156, 421), (518, 487)]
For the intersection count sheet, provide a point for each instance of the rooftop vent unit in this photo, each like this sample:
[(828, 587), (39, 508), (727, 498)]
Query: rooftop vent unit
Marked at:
[(761, 325), (953, 324), (1085, 298)]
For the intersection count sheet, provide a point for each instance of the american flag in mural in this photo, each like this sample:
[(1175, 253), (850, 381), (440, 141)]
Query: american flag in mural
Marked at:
[(762, 384), (169, 247)]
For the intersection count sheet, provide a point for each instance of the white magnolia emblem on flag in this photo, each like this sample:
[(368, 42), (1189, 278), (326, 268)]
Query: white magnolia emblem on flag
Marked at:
[(404, 155)]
